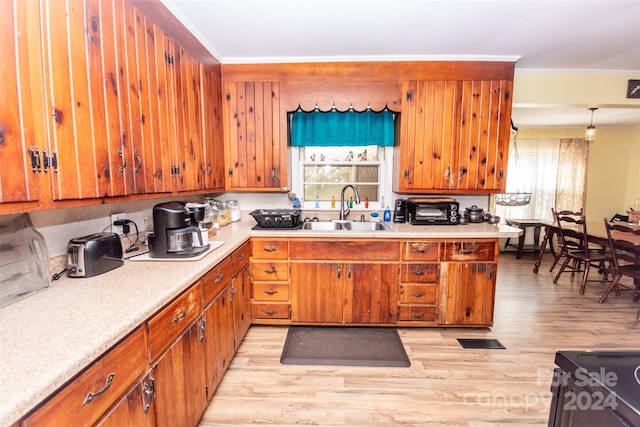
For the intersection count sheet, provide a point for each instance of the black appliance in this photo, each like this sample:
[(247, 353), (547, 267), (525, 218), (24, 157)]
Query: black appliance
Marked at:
[(432, 211), (400, 211), (173, 232), (93, 254), (595, 389)]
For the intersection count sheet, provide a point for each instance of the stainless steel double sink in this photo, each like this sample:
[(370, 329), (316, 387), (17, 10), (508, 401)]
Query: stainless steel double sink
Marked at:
[(345, 226)]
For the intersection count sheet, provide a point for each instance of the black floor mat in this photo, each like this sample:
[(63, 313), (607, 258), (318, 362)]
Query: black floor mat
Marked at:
[(344, 346), (481, 343)]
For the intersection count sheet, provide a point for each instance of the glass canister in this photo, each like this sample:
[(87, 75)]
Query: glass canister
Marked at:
[(226, 206), (223, 216), (235, 210)]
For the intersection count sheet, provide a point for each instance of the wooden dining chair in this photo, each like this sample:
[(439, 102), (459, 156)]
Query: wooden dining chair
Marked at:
[(624, 244), (565, 245), (585, 256)]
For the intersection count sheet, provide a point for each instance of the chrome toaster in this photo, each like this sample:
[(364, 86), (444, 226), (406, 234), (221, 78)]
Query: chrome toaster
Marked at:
[(93, 254)]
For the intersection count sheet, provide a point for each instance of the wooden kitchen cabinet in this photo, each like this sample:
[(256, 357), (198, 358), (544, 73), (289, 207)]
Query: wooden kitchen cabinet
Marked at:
[(270, 274), (212, 128), (255, 126), (97, 388), (180, 380), (136, 408), (418, 298), (228, 317), (354, 281), (470, 268), (19, 36), (454, 136)]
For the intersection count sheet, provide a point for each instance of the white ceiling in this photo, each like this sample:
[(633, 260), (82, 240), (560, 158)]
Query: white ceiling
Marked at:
[(541, 35)]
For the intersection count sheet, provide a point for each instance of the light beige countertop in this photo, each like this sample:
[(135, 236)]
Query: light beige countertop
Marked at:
[(49, 337)]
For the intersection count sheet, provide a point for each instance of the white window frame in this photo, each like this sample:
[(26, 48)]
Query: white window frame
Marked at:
[(385, 170)]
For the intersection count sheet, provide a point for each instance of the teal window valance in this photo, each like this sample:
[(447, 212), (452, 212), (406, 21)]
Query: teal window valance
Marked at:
[(335, 128)]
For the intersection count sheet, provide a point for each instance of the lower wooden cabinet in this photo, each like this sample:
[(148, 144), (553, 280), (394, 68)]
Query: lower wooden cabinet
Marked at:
[(136, 408), (180, 380), (100, 386), (470, 294), (317, 292)]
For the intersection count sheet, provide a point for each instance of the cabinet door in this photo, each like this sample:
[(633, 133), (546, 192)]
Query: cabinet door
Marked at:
[(18, 138), (317, 292), (241, 305), (190, 145), (470, 293), (135, 408), (371, 291), (428, 135), (219, 336), (212, 128), (454, 135), (256, 137), (180, 380), (484, 135)]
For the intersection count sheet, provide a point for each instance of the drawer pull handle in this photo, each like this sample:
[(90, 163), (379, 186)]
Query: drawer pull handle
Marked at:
[(272, 271), (271, 249), (219, 278), (418, 250), (418, 294), (417, 315), (270, 292), (419, 272), (241, 257), (468, 251), (90, 396), (270, 312), (180, 316)]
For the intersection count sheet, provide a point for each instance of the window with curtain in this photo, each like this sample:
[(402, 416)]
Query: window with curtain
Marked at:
[(554, 172), (335, 148)]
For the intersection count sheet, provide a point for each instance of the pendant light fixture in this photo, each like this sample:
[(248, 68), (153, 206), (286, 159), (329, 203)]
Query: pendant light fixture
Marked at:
[(591, 129)]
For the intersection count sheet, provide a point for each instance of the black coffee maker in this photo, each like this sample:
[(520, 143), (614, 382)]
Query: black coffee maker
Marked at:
[(173, 232)]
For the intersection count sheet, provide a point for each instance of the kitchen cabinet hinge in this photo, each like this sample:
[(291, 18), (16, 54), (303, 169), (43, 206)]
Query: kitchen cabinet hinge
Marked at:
[(49, 160), (228, 96), (406, 173), (507, 95), (230, 173), (34, 154), (175, 170), (409, 95), (437, 314)]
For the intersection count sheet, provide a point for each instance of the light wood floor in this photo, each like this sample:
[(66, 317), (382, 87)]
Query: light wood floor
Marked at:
[(446, 384)]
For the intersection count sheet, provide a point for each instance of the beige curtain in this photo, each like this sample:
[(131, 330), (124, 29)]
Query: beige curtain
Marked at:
[(571, 184)]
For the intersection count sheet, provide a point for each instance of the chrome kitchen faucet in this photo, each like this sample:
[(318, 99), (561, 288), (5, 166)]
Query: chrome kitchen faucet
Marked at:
[(344, 210)]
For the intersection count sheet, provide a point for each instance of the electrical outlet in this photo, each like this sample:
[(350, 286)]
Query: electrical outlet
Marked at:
[(117, 228)]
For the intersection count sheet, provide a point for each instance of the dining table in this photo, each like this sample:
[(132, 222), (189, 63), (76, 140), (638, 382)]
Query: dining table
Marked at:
[(596, 234)]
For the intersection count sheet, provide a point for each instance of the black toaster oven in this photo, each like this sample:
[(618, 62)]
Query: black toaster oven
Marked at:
[(432, 211)]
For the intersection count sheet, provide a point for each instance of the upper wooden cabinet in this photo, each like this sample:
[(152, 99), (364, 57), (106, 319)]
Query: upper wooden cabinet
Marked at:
[(454, 136), (212, 129), (255, 136), (18, 182)]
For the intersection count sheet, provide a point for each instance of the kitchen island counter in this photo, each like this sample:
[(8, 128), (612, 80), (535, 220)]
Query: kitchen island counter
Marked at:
[(48, 338)]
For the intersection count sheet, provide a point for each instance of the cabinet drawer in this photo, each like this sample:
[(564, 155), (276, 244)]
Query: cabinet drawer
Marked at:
[(97, 388), (420, 251), (270, 311), (424, 273), (171, 321), (270, 271), (417, 313), (270, 249), (469, 251), (357, 250), (215, 280), (240, 257), (418, 294), (271, 291)]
